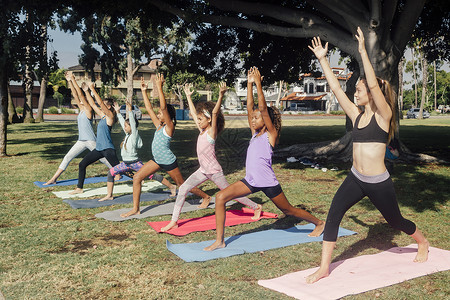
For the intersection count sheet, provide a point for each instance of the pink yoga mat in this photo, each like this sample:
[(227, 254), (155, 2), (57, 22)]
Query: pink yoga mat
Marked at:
[(233, 217), (361, 274)]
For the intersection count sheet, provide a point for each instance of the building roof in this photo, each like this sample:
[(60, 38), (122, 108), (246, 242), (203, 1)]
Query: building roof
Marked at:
[(294, 97)]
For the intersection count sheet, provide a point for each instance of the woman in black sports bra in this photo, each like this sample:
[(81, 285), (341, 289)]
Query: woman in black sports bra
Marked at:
[(372, 130)]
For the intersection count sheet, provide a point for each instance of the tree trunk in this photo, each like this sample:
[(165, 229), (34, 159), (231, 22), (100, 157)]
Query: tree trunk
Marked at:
[(12, 114), (277, 103), (3, 111), (400, 87), (42, 97), (435, 95), (414, 76), (129, 76), (28, 88), (424, 83), (44, 67)]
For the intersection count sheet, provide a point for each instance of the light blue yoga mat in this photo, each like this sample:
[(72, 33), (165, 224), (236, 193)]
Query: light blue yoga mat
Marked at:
[(249, 243), (75, 181), (150, 196)]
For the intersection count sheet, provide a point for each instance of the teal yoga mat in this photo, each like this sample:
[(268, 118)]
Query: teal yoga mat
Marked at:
[(249, 243)]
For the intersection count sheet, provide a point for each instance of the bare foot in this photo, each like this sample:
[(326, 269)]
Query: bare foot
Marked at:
[(205, 203), (117, 177), (169, 226), (319, 274), (257, 214), (215, 245), (318, 230), (173, 190), (76, 191), (50, 182), (130, 213), (422, 252), (106, 198)]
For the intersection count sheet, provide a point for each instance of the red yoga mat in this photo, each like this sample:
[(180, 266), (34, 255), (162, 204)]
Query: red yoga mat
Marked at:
[(233, 217)]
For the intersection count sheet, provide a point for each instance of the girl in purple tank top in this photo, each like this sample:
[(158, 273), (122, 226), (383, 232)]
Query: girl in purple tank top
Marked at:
[(265, 124), (210, 122)]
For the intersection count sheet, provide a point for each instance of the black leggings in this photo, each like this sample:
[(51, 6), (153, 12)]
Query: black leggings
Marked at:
[(381, 194), (93, 156)]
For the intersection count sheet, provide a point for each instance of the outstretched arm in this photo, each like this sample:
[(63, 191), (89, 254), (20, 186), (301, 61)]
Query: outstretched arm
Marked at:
[(348, 106), (222, 89), (109, 114), (377, 95), (250, 101), (170, 127), (148, 104), (119, 115), (187, 90), (262, 106), (84, 104), (90, 100)]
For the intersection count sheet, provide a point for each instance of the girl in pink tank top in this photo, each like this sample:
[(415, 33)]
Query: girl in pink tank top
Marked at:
[(265, 124), (210, 122)]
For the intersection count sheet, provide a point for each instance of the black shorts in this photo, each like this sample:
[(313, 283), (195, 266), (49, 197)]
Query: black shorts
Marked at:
[(170, 167), (270, 191)]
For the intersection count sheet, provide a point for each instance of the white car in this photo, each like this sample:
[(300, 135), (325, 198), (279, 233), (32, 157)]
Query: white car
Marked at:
[(413, 113), (136, 111)]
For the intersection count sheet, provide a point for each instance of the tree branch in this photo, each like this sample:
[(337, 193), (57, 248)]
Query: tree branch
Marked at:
[(375, 10), (326, 32), (403, 29)]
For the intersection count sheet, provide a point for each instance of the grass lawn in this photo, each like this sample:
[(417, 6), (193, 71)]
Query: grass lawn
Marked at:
[(51, 251)]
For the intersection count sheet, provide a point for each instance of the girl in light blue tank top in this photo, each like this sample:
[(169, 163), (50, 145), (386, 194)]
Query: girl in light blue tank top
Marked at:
[(163, 157), (86, 135), (105, 147), (265, 124)]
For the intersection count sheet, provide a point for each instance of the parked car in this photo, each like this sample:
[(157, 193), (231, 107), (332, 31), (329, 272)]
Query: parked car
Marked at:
[(136, 111), (298, 107), (413, 113)]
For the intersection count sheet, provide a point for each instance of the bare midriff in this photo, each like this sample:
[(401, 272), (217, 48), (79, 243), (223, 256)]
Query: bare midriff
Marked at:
[(368, 158)]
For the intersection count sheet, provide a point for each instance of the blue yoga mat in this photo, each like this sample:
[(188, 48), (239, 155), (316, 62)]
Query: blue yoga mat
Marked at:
[(75, 181), (150, 196), (249, 243)]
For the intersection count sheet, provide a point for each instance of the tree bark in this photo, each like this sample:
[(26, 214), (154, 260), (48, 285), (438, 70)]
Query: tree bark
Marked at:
[(435, 94), (130, 74), (400, 87), (28, 89)]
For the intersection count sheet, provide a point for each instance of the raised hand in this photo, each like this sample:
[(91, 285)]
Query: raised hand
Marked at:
[(250, 78), (84, 86), (257, 78), (319, 51), (116, 107), (159, 80), (143, 84), (68, 75), (360, 38), (222, 87), (187, 89)]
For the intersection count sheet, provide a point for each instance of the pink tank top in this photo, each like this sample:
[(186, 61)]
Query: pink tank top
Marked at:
[(207, 154)]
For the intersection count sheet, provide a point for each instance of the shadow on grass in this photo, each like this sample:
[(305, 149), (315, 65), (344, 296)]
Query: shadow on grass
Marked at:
[(379, 236)]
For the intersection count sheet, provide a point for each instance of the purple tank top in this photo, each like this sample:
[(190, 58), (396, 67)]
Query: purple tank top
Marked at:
[(258, 165)]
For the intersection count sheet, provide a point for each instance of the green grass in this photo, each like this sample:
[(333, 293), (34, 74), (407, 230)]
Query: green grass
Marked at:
[(50, 251)]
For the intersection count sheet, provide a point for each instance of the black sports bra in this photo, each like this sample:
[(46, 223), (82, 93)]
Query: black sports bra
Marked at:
[(372, 133)]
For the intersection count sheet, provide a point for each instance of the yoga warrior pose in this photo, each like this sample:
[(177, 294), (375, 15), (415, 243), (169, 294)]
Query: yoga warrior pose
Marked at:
[(372, 129), (128, 151), (105, 146), (265, 124), (86, 135), (210, 122), (163, 157)]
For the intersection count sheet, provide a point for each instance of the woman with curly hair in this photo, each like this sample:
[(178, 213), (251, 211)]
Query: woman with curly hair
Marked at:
[(265, 123), (210, 123)]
